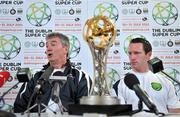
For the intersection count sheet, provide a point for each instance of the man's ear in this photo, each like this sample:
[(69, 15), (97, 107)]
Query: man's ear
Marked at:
[(67, 49), (149, 53)]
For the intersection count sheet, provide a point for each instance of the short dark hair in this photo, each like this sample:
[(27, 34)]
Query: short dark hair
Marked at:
[(146, 44)]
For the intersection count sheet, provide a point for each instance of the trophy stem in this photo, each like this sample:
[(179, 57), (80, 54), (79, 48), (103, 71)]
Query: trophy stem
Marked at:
[(99, 60)]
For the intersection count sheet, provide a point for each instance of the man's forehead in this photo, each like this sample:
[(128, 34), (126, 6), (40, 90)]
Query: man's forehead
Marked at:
[(135, 47), (138, 45), (53, 39)]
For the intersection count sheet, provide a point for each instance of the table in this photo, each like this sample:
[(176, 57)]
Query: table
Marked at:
[(140, 114)]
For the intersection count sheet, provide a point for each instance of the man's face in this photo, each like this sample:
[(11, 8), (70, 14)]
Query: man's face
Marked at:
[(55, 51), (137, 57)]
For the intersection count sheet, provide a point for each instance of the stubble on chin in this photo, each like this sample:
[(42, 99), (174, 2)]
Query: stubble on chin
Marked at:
[(52, 62)]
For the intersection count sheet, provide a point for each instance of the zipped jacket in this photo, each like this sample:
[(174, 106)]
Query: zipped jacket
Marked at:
[(78, 84)]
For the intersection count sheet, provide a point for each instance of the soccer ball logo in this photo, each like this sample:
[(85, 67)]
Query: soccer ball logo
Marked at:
[(38, 14), (165, 13), (10, 46), (107, 9)]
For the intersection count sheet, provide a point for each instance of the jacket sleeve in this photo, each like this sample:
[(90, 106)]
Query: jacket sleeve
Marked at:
[(115, 87), (76, 86), (84, 85), (25, 92)]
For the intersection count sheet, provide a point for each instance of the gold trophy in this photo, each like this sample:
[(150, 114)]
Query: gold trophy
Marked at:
[(99, 32)]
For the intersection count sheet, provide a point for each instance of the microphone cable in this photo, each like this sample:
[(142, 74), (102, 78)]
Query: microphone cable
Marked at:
[(159, 114), (2, 102)]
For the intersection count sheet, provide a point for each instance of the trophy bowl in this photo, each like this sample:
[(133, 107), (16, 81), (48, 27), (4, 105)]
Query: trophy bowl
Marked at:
[(99, 32)]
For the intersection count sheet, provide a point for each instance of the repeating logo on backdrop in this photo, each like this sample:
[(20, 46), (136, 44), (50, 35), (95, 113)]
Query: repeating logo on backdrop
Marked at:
[(165, 13), (10, 46), (38, 14), (129, 38), (107, 9), (174, 73), (112, 76), (74, 46)]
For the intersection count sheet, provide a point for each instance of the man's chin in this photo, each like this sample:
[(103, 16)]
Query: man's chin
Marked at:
[(51, 60), (133, 66)]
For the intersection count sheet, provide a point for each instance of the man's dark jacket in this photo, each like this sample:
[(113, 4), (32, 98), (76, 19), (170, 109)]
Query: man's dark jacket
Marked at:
[(78, 84)]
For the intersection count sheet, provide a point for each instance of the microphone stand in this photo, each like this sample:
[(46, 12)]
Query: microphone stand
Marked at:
[(175, 80), (140, 108), (44, 78), (39, 104), (59, 103), (140, 105), (2, 97)]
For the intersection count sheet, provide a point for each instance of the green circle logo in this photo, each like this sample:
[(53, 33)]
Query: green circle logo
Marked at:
[(10, 46), (165, 13), (107, 9), (74, 46), (174, 73), (112, 76), (156, 86), (38, 14)]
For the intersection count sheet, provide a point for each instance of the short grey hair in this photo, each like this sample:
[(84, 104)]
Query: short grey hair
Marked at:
[(63, 38)]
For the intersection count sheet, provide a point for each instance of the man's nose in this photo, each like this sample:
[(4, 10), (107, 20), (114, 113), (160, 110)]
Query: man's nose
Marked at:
[(48, 48), (132, 56)]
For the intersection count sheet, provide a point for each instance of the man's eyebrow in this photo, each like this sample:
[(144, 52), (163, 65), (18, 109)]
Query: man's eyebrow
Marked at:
[(135, 52), (51, 41), (54, 41)]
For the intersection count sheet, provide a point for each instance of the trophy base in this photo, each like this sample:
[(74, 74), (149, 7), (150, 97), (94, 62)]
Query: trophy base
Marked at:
[(109, 110), (99, 100), (100, 104)]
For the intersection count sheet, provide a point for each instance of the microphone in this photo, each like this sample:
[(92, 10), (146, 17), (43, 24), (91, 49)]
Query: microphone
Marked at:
[(4, 76), (132, 83), (44, 77), (55, 92), (156, 65), (23, 75), (57, 83)]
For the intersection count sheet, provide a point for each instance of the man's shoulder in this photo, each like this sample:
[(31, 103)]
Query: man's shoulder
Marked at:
[(78, 70)]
